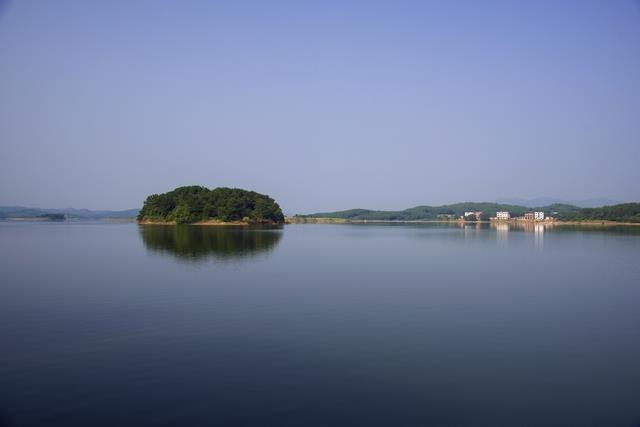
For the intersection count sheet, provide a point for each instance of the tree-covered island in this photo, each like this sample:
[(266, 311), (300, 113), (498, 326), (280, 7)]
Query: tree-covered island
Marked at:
[(196, 204)]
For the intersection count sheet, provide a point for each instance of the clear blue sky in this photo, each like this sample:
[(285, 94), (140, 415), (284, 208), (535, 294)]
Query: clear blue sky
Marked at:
[(321, 105)]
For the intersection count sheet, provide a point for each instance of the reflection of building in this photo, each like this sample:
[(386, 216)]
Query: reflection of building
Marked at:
[(537, 229), (502, 227), (538, 236), (502, 231), (503, 215)]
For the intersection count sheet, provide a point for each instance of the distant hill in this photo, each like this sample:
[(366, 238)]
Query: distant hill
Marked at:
[(627, 212), (26, 212), (430, 212), (546, 201)]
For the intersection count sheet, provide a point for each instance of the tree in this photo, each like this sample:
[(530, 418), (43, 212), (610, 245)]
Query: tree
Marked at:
[(181, 214)]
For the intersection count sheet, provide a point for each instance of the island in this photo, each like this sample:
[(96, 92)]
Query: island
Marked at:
[(202, 206)]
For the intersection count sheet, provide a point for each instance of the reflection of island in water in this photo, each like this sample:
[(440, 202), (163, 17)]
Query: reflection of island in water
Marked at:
[(198, 243)]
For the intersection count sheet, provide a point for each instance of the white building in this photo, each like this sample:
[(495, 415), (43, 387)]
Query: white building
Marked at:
[(503, 215), (538, 215)]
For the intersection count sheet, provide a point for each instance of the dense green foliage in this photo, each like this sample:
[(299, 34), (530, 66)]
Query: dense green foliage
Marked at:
[(625, 212), (185, 205), (558, 208), (629, 212)]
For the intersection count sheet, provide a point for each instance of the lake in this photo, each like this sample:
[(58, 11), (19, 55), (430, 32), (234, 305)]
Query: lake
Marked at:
[(319, 325)]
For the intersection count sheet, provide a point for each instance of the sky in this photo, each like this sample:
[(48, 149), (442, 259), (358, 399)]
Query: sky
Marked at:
[(323, 105)]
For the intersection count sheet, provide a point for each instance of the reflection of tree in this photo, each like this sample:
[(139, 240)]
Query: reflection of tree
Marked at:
[(200, 242)]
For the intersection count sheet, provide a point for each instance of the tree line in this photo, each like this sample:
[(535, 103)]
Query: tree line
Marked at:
[(625, 212)]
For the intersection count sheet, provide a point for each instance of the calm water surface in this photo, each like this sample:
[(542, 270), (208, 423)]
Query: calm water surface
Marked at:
[(318, 325)]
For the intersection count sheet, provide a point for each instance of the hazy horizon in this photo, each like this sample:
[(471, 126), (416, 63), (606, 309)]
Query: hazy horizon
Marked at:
[(379, 105), (533, 202)]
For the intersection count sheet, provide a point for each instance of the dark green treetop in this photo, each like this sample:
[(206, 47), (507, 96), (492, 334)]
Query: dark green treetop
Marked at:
[(190, 204)]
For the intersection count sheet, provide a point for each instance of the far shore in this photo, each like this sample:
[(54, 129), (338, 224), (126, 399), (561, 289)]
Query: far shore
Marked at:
[(327, 220), (321, 220)]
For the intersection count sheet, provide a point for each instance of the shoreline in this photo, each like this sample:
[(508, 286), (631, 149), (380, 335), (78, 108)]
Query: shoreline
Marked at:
[(327, 220), (601, 223), (208, 223)]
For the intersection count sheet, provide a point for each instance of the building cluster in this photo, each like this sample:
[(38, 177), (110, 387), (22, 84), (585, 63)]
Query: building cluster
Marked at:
[(476, 214), (503, 215), (534, 216), (528, 216)]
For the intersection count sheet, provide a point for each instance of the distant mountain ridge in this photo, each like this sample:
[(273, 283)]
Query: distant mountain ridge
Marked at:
[(27, 212), (546, 201)]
